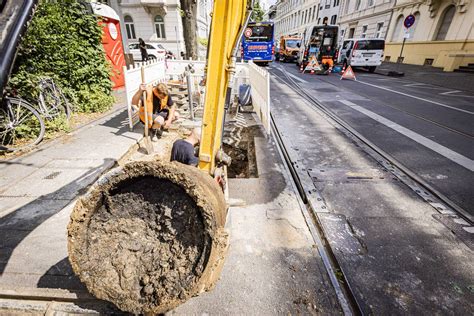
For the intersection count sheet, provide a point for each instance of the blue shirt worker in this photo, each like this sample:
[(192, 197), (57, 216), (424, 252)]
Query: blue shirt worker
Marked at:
[(183, 149)]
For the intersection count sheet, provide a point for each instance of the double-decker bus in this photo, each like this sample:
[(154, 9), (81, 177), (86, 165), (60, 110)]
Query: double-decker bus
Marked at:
[(320, 41), (257, 42)]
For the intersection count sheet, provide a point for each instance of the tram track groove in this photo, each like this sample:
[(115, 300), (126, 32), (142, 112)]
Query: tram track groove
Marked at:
[(339, 282), (404, 174)]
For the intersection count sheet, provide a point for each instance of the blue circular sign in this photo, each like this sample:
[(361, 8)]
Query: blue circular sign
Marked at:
[(409, 21)]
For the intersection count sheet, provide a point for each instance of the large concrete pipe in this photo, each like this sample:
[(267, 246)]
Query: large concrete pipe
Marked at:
[(148, 236)]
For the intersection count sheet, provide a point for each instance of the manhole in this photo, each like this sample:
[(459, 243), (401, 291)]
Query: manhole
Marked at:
[(52, 175)]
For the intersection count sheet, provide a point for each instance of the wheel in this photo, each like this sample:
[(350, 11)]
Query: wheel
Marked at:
[(53, 100), (372, 69), (21, 126), (151, 57)]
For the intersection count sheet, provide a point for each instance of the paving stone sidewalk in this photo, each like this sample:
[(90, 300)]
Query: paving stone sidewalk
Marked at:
[(37, 193)]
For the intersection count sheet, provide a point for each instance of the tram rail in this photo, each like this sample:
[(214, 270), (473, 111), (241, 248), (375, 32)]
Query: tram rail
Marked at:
[(404, 174)]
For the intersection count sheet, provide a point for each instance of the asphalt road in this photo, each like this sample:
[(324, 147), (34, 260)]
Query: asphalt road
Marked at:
[(427, 128)]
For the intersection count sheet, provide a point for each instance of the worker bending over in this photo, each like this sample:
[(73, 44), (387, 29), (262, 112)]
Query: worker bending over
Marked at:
[(183, 149), (163, 112)]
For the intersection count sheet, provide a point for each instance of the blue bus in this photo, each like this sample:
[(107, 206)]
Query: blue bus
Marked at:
[(257, 42)]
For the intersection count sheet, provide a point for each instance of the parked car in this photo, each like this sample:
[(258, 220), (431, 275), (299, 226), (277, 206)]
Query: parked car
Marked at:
[(362, 52), (154, 51)]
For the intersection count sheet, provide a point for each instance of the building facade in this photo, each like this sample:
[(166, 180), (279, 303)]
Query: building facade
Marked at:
[(365, 18), (294, 16), (159, 21), (328, 11), (442, 36)]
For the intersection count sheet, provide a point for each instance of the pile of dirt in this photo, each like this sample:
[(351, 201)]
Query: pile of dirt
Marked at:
[(149, 236)]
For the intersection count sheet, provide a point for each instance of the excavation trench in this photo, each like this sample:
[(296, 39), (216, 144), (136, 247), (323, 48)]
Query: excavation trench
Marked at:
[(149, 236)]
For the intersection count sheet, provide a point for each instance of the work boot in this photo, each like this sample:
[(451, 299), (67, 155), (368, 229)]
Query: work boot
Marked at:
[(154, 135)]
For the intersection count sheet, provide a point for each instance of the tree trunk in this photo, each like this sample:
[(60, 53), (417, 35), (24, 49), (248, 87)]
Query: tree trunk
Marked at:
[(189, 8)]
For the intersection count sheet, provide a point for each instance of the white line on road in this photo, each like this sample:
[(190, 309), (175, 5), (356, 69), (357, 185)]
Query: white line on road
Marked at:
[(418, 98), (297, 78), (440, 149), (414, 84), (450, 92)]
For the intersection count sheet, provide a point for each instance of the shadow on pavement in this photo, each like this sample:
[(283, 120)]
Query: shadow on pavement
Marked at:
[(17, 225)]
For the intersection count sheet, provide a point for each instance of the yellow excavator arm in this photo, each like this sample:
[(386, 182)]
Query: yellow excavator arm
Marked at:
[(228, 21)]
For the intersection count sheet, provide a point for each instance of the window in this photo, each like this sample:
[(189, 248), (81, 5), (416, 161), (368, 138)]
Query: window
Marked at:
[(351, 32), (333, 19), (314, 13), (444, 23), (357, 6), (347, 45), (328, 4), (378, 33), (160, 27), (346, 9), (309, 15), (202, 8), (398, 29), (364, 31), (370, 3), (129, 27)]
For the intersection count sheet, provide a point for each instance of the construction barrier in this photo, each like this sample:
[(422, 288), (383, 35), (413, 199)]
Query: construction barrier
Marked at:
[(155, 72), (259, 79)]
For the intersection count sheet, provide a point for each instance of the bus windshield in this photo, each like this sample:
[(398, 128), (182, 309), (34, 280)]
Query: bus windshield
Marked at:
[(260, 33), (292, 43)]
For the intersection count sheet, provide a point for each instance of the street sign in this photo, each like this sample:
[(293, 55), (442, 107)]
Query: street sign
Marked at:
[(409, 21), (248, 32)]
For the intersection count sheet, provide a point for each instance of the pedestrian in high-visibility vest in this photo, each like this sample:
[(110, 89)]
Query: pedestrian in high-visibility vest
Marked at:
[(161, 113)]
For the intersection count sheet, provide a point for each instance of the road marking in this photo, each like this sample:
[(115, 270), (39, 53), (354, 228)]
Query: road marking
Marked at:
[(450, 92), (386, 79), (414, 84), (296, 78), (418, 98), (440, 149)]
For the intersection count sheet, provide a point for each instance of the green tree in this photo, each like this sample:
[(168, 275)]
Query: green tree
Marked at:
[(257, 14), (63, 41)]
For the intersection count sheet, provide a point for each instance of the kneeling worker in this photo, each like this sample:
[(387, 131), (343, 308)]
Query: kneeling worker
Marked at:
[(183, 149), (163, 112)]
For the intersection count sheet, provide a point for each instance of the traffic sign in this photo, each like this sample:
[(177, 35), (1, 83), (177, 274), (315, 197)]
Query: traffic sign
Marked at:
[(409, 21), (248, 32)]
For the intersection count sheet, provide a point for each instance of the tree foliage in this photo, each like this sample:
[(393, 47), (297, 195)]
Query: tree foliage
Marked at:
[(63, 41), (257, 13)]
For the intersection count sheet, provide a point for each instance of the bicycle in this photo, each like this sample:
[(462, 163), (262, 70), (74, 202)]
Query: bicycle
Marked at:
[(21, 124), (51, 100)]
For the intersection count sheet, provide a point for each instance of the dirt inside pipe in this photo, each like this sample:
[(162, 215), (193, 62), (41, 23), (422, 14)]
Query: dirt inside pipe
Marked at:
[(144, 243)]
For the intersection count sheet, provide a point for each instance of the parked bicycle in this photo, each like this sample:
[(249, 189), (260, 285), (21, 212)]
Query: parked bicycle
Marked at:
[(22, 124)]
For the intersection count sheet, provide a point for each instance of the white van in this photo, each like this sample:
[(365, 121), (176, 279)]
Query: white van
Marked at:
[(362, 52)]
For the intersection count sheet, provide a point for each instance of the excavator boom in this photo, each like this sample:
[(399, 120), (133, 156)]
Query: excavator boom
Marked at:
[(228, 20)]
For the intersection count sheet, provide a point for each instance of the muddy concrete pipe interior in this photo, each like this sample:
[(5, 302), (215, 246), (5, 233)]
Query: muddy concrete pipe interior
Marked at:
[(149, 236)]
